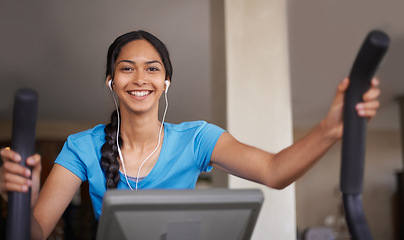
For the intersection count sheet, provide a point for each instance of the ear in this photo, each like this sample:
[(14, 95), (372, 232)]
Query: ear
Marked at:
[(109, 83), (167, 85)]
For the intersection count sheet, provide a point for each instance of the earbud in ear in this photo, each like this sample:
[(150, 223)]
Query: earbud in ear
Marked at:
[(167, 83), (110, 84)]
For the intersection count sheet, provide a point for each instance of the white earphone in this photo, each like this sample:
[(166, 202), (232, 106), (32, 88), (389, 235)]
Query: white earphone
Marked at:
[(110, 85), (167, 83)]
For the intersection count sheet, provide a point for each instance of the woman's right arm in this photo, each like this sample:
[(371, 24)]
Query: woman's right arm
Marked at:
[(54, 197)]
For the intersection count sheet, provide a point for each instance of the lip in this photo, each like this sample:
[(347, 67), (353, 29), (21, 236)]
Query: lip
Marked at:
[(139, 94)]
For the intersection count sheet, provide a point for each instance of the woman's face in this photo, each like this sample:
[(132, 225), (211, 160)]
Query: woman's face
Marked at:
[(139, 77)]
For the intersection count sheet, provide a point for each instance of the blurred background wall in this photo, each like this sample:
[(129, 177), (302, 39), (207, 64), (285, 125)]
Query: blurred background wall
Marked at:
[(59, 49)]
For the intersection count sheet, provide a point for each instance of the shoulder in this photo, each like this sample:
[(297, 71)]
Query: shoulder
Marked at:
[(96, 132), (81, 152), (185, 126), (194, 129), (191, 126)]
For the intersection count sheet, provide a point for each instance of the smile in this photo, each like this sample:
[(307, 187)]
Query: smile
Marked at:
[(139, 93)]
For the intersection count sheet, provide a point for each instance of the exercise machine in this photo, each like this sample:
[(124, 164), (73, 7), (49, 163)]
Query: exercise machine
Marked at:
[(22, 141), (354, 135)]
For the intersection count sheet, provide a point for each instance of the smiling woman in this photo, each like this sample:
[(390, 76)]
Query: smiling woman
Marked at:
[(138, 78), (139, 69), (137, 151)]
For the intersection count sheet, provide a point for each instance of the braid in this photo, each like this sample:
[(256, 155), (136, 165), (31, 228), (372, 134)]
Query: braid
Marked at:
[(109, 151)]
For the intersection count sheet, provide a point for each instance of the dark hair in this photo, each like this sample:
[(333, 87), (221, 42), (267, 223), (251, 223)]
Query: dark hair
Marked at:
[(109, 151), (115, 48)]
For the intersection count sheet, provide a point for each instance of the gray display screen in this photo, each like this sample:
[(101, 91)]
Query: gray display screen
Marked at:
[(204, 214)]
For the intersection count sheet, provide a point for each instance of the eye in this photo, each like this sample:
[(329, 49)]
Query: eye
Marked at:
[(153, 69), (126, 69)]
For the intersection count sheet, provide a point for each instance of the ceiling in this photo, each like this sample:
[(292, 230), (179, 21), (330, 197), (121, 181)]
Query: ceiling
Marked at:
[(58, 48)]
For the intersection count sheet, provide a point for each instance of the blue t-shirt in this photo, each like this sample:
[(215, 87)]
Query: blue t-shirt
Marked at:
[(185, 153)]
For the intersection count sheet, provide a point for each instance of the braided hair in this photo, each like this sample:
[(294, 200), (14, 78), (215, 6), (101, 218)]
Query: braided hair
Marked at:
[(109, 151)]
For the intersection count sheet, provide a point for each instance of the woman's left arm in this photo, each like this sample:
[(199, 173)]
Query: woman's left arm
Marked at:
[(283, 168)]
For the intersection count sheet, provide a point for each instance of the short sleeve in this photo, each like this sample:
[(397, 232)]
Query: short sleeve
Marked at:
[(69, 159), (205, 142)]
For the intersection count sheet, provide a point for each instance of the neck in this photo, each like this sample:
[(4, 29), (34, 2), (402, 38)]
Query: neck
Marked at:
[(140, 131)]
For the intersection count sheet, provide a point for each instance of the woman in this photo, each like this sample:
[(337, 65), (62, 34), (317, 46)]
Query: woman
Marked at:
[(136, 150)]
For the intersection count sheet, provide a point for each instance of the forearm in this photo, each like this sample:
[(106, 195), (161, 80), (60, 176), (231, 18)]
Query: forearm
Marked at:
[(293, 162), (36, 231)]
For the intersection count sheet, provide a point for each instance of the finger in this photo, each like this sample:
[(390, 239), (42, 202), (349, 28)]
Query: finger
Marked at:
[(34, 160), (342, 87), (371, 94), (375, 82), (367, 109), (369, 113), (10, 155), (12, 187), (16, 180), (371, 105), (15, 168)]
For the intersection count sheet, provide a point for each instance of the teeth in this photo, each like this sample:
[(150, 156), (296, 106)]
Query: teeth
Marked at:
[(139, 93)]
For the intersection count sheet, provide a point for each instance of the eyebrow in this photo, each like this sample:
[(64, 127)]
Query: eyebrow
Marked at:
[(148, 62)]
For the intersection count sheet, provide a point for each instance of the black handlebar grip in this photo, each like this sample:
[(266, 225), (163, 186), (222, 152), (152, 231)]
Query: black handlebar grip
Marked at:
[(355, 217), (22, 142), (354, 134)]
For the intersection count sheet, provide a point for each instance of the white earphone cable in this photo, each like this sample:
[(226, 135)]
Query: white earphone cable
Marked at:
[(158, 144), (119, 148), (117, 141)]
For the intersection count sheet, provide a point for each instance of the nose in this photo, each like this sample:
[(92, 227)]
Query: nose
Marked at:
[(139, 78)]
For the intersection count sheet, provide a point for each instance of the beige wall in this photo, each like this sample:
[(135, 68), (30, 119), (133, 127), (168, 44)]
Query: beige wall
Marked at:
[(318, 196), (258, 99)]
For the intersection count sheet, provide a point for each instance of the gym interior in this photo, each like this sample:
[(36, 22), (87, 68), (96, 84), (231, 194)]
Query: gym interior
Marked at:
[(296, 52)]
